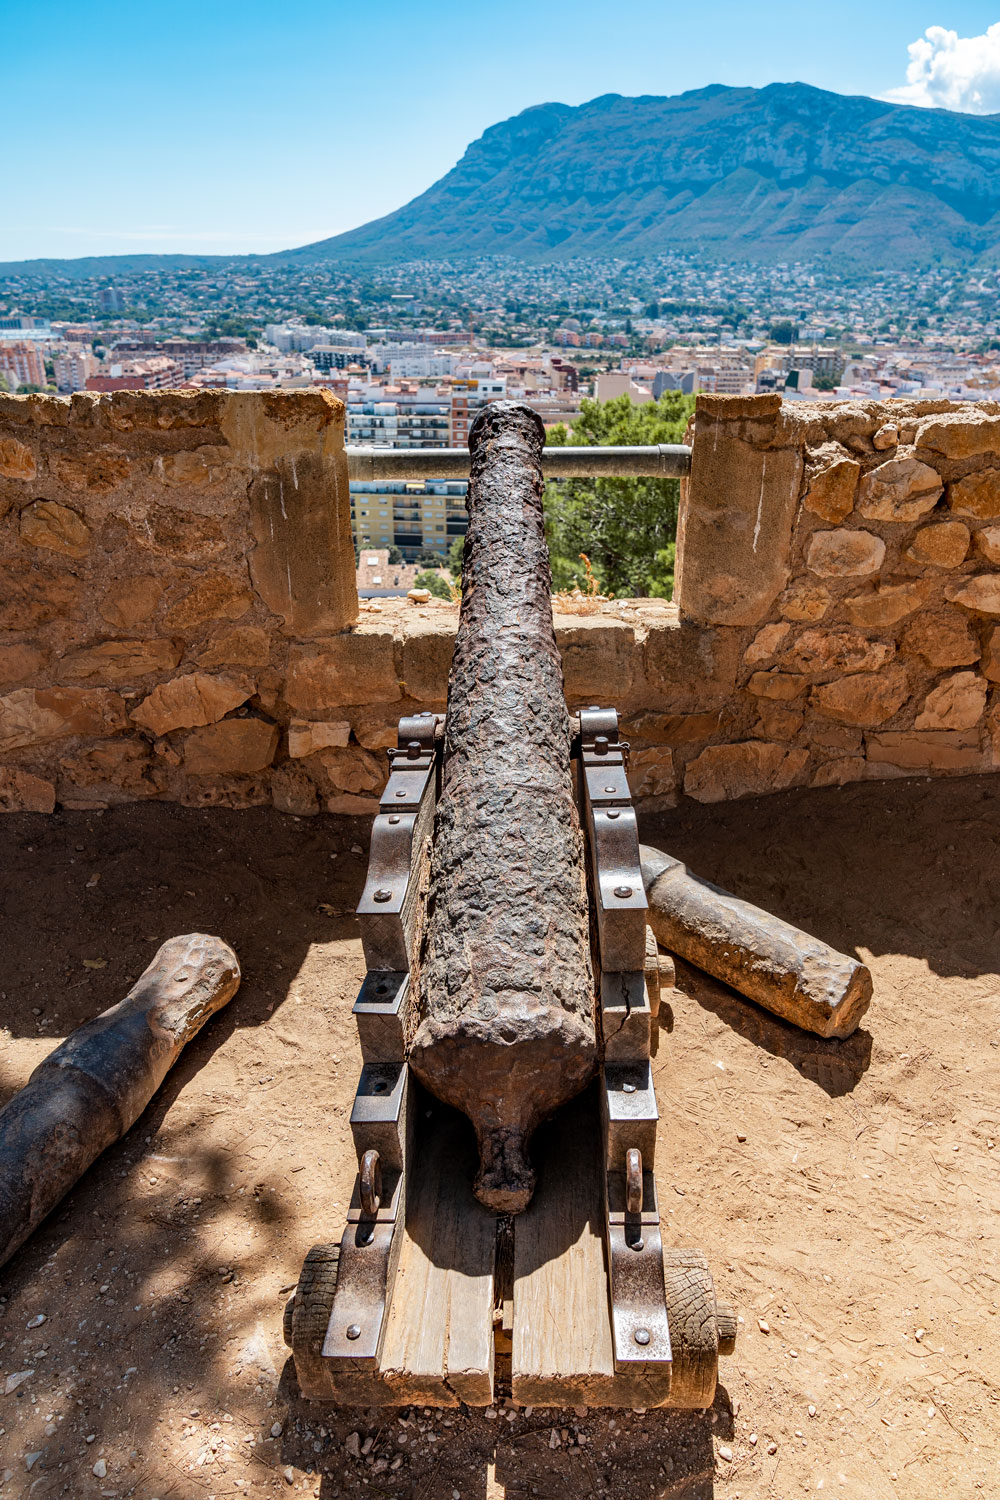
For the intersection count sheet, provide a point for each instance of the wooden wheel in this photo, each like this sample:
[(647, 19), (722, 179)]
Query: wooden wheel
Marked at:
[(307, 1315), (699, 1329)]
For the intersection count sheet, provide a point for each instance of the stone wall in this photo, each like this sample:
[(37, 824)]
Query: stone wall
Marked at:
[(178, 616), (855, 547)]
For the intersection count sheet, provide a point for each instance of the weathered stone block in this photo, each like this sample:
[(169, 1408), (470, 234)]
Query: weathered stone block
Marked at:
[(354, 770), (743, 770), (33, 716), (246, 646), (941, 640), (954, 435), (832, 491), (866, 699), (988, 543), (765, 643), (845, 554), (427, 650), (22, 792), (777, 721), (821, 651), (886, 437), (303, 563), (956, 703), (672, 729), (652, 773), (306, 736), (688, 668), (55, 527), (926, 751), (119, 661), (214, 597), (902, 489), (886, 605), (839, 772), (21, 662), (180, 537), (293, 792), (191, 700), (980, 593), (737, 510), (990, 663), (131, 601), (17, 461), (805, 601), (598, 656), (358, 666), (780, 685), (976, 495), (201, 479), (97, 470), (234, 747), (940, 546), (32, 596)]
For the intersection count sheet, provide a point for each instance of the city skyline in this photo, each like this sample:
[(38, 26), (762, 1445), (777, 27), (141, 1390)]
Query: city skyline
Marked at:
[(206, 133)]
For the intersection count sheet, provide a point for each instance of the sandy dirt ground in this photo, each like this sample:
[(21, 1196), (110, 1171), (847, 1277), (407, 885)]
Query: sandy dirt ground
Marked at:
[(846, 1193)]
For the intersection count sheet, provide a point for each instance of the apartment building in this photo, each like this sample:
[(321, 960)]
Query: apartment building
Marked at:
[(22, 362), (156, 374), (415, 516), (394, 417), (74, 366), (468, 397)]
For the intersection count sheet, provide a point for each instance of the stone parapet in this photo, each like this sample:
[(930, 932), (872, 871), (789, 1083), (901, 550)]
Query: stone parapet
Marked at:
[(178, 616)]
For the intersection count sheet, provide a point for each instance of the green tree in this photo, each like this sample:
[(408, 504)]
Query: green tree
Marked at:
[(784, 332), (395, 557), (626, 527), (434, 582), (455, 554)]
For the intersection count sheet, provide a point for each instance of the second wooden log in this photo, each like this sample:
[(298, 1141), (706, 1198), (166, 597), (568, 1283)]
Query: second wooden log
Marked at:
[(95, 1085), (777, 965)]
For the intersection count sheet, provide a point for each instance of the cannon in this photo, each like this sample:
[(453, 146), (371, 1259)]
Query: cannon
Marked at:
[(504, 1237)]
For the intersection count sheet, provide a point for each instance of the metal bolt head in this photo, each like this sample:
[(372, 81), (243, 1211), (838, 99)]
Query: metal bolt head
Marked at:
[(623, 892), (628, 1088), (600, 744), (609, 789), (636, 1244), (382, 895), (401, 792), (613, 813), (354, 1332), (641, 1335), (394, 817)]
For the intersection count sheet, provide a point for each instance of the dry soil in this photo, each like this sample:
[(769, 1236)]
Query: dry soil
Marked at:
[(846, 1193)]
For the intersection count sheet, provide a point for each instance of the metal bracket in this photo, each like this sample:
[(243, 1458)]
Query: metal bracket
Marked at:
[(387, 910), (371, 1242)]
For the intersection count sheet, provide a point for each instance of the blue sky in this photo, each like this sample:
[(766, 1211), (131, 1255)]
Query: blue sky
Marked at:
[(219, 126)]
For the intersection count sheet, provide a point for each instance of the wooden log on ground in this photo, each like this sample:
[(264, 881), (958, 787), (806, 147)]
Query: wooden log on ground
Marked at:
[(783, 969), (506, 1029), (96, 1083)]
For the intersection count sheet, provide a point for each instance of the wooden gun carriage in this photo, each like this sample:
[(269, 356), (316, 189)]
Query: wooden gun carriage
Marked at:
[(504, 1237)]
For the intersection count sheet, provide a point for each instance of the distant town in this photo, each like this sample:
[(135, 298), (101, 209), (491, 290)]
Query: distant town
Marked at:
[(415, 350)]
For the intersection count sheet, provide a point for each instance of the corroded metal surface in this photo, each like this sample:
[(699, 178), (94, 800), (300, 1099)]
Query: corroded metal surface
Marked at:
[(506, 993), (782, 968), (95, 1085)]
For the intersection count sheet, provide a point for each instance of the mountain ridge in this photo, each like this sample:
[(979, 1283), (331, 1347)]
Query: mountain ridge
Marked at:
[(787, 172)]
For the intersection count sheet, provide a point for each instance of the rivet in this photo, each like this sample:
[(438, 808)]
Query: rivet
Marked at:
[(354, 1332), (383, 895), (623, 892), (394, 817), (613, 813), (401, 792), (601, 744), (628, 1088), (636, 1244), (609, 789), (641, 1335)]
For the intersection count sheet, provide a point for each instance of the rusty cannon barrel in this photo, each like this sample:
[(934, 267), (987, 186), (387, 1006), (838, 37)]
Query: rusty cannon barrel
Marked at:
[(506, 1010)]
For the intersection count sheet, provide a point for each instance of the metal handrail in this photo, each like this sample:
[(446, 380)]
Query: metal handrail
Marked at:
[(658, 461)]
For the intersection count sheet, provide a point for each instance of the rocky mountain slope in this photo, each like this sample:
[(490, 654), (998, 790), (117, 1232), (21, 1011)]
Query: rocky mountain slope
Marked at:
[(787, 171)]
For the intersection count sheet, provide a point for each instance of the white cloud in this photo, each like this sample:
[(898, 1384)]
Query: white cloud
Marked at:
[(948, 71)]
